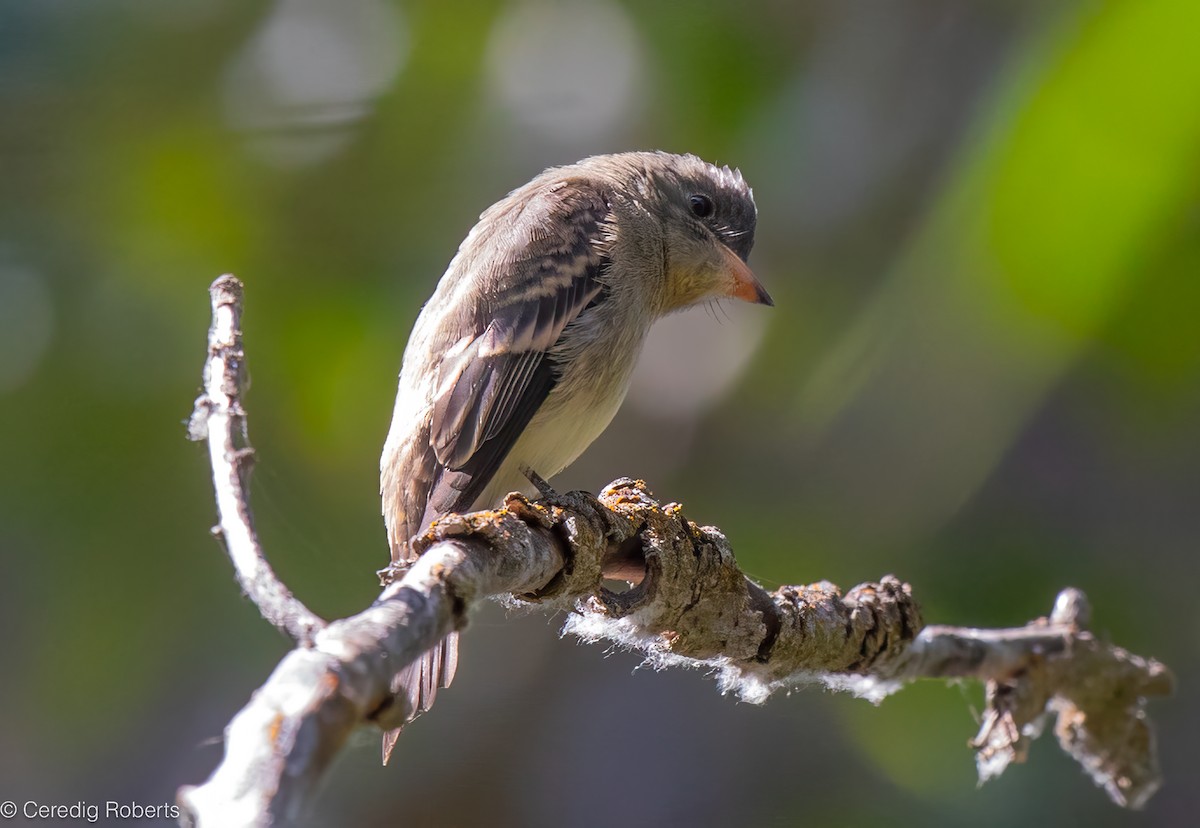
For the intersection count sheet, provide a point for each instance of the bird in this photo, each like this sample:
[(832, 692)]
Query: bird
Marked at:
[(524, 352)]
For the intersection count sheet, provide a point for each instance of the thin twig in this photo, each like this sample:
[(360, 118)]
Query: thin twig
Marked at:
[(219, 418)]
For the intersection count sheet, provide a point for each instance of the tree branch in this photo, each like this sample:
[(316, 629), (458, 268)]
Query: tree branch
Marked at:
[(219, 418), (691, 606)]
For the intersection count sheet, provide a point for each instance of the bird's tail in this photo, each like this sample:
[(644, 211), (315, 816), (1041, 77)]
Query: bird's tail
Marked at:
[(419, 683)]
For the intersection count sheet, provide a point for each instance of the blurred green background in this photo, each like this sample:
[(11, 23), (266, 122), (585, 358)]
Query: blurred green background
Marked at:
[(981, 226)]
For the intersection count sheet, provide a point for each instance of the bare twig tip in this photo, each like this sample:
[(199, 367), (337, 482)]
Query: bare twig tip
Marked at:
[(218, 417), (1072, 607)]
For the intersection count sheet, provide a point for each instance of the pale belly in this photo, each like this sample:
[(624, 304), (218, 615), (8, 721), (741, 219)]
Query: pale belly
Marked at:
[(577, 411)]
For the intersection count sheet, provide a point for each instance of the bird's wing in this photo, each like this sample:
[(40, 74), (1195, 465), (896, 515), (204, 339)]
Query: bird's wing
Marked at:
[(533, 264), (536, 262)]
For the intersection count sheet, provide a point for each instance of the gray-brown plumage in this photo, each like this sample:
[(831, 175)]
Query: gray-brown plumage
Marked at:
[(523, 354)]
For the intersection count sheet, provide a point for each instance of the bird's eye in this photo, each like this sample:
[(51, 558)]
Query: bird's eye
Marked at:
[(701, 205)]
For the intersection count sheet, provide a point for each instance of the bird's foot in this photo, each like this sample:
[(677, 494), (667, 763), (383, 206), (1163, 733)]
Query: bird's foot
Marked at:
[(539, 482)]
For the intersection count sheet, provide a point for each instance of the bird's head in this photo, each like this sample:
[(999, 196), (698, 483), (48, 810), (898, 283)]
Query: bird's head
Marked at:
[(706, 216)]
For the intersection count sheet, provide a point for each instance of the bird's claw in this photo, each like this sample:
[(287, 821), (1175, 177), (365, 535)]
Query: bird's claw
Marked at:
[(539, 482)]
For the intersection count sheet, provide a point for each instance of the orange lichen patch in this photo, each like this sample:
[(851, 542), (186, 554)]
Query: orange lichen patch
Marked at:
[(275, 727), (518, 504)]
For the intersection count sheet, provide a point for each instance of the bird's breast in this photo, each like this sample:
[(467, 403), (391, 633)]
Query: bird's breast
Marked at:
[(593, 364)]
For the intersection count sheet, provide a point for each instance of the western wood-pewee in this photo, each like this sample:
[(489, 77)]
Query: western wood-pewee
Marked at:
[(523, 354)]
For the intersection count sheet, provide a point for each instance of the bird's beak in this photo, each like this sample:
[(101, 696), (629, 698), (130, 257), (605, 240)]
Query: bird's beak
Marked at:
[(745, 284)]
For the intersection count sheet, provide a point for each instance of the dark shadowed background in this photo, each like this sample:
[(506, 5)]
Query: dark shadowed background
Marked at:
[(981, 226)]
